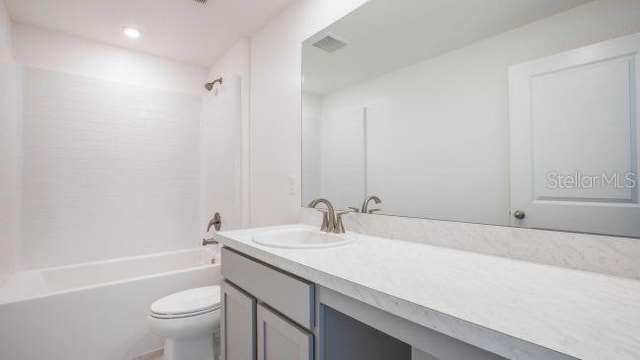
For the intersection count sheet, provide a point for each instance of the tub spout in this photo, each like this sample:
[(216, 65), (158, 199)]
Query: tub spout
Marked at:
[(211, 241)]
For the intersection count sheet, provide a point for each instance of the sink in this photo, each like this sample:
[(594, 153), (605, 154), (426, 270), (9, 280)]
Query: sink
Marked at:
[(301, 238)]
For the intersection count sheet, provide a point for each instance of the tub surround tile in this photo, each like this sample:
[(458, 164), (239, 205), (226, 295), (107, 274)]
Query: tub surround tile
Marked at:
[(131, 150), (609, 255), (501, 305)]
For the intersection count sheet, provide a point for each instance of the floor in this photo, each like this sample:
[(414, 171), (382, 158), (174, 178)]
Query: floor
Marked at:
[(154, 355)]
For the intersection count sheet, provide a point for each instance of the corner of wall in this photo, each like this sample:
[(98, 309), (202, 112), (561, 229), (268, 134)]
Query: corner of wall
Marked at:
[(236, 62), (6, 46), (10, 148)]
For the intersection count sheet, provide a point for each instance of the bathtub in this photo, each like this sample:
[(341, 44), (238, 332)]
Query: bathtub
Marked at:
[(98, 310)]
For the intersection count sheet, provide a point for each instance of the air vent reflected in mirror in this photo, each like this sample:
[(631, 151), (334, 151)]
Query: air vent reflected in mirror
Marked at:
[(330, 43)]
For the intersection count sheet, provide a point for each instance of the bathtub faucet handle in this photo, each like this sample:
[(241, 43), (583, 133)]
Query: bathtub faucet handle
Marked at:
[(216, 222)]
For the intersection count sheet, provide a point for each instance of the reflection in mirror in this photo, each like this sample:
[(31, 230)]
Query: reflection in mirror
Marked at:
[(507, 113)]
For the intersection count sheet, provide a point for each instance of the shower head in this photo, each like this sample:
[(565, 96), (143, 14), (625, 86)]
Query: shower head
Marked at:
[(209, 86)]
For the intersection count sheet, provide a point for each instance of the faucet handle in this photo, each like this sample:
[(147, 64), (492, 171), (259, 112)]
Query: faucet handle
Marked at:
[(354, 209), (339, 223), (329, 218), (216, 222), (325, 219)]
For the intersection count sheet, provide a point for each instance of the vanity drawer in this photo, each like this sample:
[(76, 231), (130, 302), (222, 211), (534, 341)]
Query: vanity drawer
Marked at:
[(289, 295)]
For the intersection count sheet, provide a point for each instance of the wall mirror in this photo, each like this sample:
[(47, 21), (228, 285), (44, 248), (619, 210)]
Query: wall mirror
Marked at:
[(514, 113)]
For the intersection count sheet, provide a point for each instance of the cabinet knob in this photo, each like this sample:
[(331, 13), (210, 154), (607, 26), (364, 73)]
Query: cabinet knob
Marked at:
[(518, 214)]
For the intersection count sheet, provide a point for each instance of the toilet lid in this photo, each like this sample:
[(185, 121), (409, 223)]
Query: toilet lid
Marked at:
[(188, 301)]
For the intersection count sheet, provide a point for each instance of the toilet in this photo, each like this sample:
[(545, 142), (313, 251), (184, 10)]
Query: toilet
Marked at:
[(187, 321)]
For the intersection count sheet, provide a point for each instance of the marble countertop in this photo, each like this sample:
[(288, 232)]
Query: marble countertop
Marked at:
[(498, 304)]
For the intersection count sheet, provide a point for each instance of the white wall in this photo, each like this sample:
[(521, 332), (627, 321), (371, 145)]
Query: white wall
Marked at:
[(311, 135), (110, 150), (110, 169), (276, 106), (5, 34), (343, 160), (9, 149), (236, 62), (443, 123), (57, 51)]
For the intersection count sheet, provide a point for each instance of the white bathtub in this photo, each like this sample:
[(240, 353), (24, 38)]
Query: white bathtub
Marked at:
[(95, 311)]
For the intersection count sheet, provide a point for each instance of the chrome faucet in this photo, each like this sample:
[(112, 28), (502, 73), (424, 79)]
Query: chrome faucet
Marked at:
[(365, 205), (328, 216), (216, 223), (331, 219)]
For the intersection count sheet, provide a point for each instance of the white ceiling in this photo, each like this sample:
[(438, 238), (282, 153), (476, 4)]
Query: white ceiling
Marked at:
[(384, 35), (183, 30)]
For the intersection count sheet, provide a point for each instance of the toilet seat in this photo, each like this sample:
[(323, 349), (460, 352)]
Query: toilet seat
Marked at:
[(181, 316), (188, 303)]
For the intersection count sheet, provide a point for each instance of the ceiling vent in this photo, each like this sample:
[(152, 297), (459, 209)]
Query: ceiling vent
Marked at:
[(330, 43), (201, 1)]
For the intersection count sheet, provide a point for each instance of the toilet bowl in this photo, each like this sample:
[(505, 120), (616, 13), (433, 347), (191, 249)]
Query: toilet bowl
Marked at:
[(187, 321)]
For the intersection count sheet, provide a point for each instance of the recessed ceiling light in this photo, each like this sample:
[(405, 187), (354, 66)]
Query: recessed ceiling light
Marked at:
[(131, 33)]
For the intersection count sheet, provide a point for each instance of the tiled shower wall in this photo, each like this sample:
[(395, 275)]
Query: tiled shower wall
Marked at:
[(110, 169)]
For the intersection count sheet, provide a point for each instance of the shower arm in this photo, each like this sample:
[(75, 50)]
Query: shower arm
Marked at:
[(209, 86)]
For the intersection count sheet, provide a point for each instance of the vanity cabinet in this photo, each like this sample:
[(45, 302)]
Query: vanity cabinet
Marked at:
[(238, 323), (267, 313), (279, 338)]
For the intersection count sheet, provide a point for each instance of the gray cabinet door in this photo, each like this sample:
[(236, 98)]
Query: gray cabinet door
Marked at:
[(280, 339), (290, 296), (238, 324)]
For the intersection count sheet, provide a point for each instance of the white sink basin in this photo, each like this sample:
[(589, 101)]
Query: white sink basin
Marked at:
[(301, 238)]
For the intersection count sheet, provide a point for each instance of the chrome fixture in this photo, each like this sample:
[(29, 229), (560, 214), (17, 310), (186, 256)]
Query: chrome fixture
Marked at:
[(209, 86), (331, 219), (518, 214), (365, 205), (216, 222), (328, 215), (339, 229), (211, 241)]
